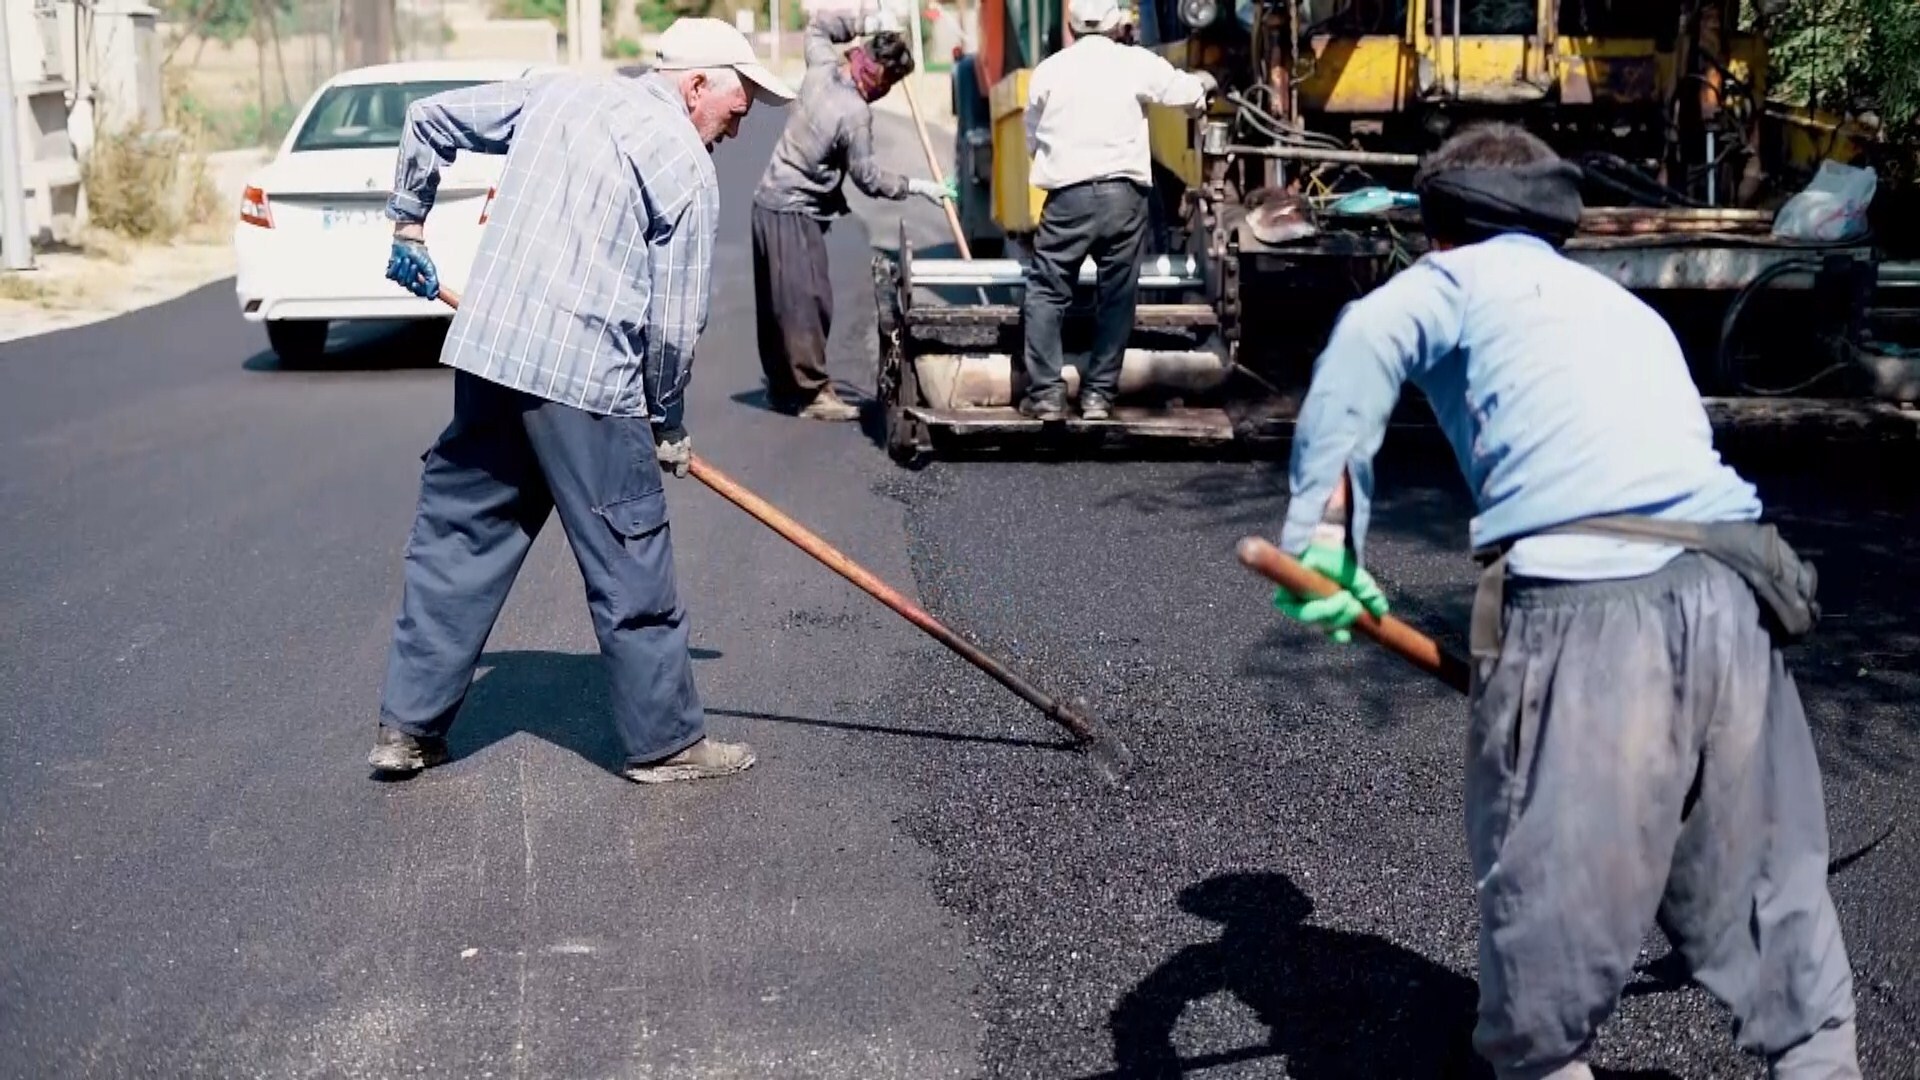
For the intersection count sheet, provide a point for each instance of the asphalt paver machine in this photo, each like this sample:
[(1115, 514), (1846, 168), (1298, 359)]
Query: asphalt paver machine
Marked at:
[(1289, 198)]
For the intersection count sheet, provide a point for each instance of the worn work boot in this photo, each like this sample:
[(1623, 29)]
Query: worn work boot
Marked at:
[(826, 405), (395, 751), (1095, 405), (700, 761), (1048, 405)]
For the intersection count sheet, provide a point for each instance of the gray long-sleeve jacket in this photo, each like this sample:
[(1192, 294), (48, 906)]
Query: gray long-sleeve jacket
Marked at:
[(829, 135)]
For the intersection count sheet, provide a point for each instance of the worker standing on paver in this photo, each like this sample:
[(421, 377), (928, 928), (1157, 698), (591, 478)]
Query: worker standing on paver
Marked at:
[(1636, 746), (1086, 122), (828, 138), (572, 349)]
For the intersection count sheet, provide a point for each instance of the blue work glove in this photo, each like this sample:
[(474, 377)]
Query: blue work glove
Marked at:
[(413, 268), (1338, 611)]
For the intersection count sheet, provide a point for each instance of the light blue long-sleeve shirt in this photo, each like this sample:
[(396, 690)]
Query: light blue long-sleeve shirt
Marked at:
[(1562, 395)]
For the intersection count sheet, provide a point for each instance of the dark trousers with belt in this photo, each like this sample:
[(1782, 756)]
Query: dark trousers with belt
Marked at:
[(793, 300), (1105, 220), (505, 463)]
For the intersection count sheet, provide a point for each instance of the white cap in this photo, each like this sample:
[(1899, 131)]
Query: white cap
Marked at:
[(1093, 16), (714, 43)]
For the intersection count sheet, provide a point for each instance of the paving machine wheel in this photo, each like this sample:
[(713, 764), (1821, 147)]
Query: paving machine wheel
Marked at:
[(908, 441)]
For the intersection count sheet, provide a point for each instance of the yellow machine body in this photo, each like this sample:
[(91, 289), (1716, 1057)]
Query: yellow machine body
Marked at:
[(1383, 75)]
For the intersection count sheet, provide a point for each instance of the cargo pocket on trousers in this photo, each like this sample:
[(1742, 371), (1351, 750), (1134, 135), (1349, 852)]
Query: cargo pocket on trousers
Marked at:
[(640, 575)]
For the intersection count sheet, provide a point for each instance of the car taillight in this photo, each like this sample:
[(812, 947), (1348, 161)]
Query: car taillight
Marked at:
[(253, 208), (487, 207)]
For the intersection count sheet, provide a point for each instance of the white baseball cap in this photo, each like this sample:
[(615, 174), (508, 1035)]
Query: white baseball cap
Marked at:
[(1093, 16), (714, 43)]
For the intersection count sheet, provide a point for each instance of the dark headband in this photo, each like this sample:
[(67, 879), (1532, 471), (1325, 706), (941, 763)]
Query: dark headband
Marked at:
[(1477, 202)]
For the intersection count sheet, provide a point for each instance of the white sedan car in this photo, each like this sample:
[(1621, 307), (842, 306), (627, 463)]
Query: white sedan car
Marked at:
[(313, 237)]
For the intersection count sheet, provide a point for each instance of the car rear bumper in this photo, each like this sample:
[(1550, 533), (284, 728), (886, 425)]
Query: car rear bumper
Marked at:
[(270, 308), (285, 277)]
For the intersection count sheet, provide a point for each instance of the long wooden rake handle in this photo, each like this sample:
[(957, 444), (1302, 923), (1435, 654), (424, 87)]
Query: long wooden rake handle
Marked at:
[(1411, 645), (1065, 715), (1113, 756), (933, 164)]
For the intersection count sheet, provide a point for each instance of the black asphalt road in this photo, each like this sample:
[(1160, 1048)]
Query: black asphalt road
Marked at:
[(198, 877)]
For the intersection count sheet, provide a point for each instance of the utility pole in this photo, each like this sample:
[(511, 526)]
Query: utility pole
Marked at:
[(18, 250), (913, 24), (774, 27)]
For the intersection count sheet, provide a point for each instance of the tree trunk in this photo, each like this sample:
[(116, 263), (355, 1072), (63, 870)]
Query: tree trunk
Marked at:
[(367, 26)]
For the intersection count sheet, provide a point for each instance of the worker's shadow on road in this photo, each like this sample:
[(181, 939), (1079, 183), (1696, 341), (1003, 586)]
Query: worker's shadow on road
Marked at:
[(1336, 1003), (560, 698), (563, 699)]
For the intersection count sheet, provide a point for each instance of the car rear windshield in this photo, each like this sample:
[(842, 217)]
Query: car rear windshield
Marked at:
[(366, 117)]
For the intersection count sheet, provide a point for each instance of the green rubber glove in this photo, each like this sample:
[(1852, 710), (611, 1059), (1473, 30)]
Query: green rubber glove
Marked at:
[(1339, 611)]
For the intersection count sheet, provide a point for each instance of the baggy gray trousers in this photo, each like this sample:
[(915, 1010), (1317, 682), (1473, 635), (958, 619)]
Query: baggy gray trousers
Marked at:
[(505, 464), (1637, 751)]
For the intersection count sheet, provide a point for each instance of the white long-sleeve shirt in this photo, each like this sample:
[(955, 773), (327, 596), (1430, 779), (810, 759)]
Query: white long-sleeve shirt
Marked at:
[(1087, 111)]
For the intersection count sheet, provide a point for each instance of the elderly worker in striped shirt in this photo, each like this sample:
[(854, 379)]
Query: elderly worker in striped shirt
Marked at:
[(1086, 121), (1636, 749), (571, 351), (828, 138)]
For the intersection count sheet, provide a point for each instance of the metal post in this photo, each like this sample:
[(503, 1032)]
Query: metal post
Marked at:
[(592, 45), (913, 25), (18, 250), (774, 28)]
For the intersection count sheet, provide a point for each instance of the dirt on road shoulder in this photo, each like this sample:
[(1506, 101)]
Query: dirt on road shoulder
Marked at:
[(98, 276)]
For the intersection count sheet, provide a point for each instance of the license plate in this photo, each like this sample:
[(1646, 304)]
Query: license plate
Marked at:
[(337, 217)]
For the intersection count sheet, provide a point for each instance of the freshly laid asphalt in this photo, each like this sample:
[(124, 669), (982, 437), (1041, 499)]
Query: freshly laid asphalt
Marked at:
[(198, 876)]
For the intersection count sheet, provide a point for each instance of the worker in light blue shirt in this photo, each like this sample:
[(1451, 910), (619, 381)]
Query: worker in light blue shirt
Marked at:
[(1636, 745)]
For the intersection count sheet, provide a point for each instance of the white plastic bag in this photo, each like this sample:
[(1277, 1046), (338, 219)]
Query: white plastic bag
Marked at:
[(1832, 208)]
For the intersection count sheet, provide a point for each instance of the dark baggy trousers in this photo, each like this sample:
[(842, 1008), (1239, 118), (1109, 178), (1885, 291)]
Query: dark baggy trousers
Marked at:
[(793, 299), (1637, 752), (504, 464), (1105, 220)]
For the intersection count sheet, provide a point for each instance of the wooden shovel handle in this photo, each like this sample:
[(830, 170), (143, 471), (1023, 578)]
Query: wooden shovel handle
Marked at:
[(1412, 646)]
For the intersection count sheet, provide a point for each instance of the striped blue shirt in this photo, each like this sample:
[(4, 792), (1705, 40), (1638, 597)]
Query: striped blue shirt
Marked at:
[(1562, 394), (590, 286)]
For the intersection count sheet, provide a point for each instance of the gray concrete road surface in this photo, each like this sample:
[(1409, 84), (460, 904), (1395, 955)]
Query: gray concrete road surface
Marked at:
[(197, 876)]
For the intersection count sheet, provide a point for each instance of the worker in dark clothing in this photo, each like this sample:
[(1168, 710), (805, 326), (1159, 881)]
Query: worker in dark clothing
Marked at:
[(1086, 121), (828, 138), (1636, 748)]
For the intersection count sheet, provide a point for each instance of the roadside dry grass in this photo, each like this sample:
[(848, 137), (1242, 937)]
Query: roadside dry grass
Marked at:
[(98, 275), (158, 227)]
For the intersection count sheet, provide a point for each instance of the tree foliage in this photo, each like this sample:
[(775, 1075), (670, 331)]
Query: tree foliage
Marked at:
[(654, 14), (1850, 55), (221, 20)]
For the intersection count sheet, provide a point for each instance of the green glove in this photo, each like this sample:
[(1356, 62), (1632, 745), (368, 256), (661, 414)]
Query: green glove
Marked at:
[(952, 189), (1335, 613)]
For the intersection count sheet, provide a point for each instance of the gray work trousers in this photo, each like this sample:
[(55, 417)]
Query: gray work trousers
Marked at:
[(1637, 751), (506, 462), (1105, 220)]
